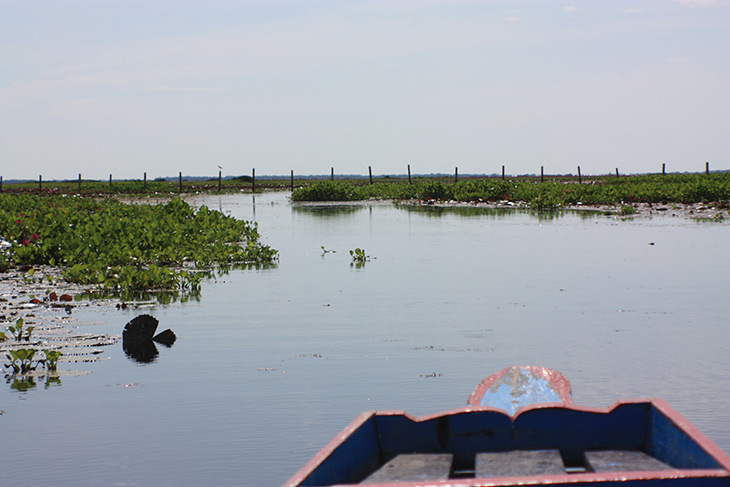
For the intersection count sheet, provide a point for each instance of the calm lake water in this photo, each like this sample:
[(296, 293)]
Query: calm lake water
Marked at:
[(270, 364)]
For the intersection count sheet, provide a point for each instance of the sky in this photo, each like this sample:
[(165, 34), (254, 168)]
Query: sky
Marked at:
[(124, 87)]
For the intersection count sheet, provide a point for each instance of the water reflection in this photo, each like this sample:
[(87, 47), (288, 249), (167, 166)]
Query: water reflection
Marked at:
[(326, 211), (143, 353), (339, 209), (160, 297), (24, 383), (464, 211), (495, 213)]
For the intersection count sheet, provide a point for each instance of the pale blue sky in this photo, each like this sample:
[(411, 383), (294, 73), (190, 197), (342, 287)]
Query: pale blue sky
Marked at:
[(121, 87)]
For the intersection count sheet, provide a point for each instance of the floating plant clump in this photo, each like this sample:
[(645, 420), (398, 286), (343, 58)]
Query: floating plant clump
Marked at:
[(123, 247)]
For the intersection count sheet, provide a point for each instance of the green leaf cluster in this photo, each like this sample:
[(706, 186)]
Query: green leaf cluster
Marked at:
[(20, 361), (330, 191), (359, 257), (128, 247), (17, 331)]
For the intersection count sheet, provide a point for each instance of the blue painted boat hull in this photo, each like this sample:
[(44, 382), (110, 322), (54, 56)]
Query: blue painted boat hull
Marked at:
[(648, 426)]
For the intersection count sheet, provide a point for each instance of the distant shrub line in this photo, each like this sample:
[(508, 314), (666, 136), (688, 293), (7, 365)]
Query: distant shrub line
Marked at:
[(678, 188)]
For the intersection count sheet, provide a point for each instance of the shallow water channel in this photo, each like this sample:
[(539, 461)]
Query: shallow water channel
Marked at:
[(270, 364)]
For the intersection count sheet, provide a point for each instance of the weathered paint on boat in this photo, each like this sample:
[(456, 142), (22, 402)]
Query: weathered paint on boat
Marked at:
[(516, 387), (650, 427)]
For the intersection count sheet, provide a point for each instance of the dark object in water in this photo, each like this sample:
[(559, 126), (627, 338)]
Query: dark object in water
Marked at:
[(143, 353), (166, 338), (139, 336), (140, 329)]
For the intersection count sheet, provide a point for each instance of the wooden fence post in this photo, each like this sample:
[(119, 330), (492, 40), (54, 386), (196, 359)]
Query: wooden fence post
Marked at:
[(580, 180), (79, 181), (456, 174), (502, 172), (1, 184), (110, 180), (332, 174), (145, 180), (616, 172), (219, 180), (664, 167), (40, 182), (179, 182), (707, 168), (253, 180), (292, 180), (370, 171), (409, 174), (542, 173)]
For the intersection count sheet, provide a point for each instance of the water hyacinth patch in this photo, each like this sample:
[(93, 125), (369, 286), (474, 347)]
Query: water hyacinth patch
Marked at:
[(20, 360), (330, 191), (17, 331), (126, 247), (359, 258)]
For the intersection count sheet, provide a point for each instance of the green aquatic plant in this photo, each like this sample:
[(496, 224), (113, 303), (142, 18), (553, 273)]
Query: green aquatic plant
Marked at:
[(50, 362), (18, 332), (329, 191), (359, 258), (435, 190), (545, 202), (358, 255), (126, 247), (21, 360), (627, 210)]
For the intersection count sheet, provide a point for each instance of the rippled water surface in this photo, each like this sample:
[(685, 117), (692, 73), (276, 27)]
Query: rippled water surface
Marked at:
[(270, 364)]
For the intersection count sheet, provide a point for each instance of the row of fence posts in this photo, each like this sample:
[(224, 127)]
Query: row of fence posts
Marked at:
[(332, 177), (456, 173)]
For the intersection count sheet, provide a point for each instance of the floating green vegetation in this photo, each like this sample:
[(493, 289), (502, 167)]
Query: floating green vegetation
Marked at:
[(545, 202), (51, 360), (359, 258), (20, 360), (17, 332), (627, 210), (325, 251), (550, 194), (329, 191), (122, 247)]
